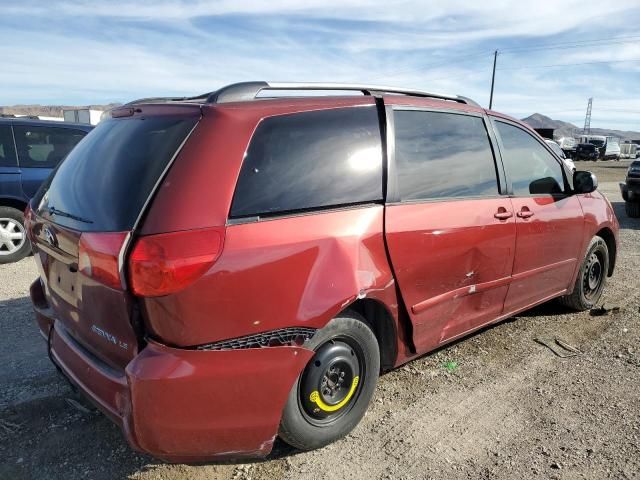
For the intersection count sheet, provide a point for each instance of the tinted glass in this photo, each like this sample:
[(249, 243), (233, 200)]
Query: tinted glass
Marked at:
[(443, 155), (45, 146), (530, 167), (107, 179), (556, 149), (7, 150), (310, 160)]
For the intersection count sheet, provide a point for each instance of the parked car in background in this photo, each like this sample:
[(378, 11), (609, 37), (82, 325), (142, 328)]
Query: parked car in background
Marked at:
[(587, 151), (558, 151), (630, 190), (219, 270), (608, 147), (629, 150), (29, 151)]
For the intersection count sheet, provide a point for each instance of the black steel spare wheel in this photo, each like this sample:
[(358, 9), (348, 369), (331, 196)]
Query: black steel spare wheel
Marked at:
[(329, 384), (333, 392)]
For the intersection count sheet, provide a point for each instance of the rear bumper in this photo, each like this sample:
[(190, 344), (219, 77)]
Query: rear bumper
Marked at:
[(185, 405)]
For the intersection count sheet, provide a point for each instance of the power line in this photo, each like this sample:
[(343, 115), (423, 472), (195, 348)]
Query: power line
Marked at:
[(569, 64), (576, 44)]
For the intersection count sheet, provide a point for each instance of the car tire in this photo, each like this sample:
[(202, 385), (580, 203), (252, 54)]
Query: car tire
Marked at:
[(591, 278), (12, 247), (319, 410), (632, 209)]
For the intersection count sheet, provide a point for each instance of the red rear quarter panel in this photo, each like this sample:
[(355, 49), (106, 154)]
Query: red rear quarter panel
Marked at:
[(295, 271)]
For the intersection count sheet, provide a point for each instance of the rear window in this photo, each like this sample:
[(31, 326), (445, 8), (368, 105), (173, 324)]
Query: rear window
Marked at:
[(311, 160), (105, 181)]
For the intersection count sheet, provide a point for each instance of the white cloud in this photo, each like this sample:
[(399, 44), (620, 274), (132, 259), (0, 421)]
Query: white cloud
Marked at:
[(88, 52)]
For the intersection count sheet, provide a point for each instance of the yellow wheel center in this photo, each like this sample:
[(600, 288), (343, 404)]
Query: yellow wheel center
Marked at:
[(315, 398)]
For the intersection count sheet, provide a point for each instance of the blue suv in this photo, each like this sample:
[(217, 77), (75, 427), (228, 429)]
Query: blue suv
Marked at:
[(29, 151)]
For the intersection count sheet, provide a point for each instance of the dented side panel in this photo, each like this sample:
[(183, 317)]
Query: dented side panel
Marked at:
[(452, 261)]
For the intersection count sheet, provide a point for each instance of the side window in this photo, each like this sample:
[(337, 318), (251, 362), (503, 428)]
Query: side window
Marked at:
[(530, 167), (45, 146), (7, 149), (443, 155), (309, 160)]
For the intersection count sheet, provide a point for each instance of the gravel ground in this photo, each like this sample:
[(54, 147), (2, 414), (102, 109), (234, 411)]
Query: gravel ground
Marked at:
[(510, 409)]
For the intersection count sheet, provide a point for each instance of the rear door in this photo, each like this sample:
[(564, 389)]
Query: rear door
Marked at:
[(9, 171), (40, 150), (83, 217), (450, 232), (549, 219)]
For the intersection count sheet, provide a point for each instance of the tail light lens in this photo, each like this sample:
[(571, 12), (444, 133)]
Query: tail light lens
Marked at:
[(169, 262), (98, 257)]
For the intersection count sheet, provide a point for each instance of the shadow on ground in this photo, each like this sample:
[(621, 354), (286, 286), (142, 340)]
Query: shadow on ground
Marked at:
[(624, 220)]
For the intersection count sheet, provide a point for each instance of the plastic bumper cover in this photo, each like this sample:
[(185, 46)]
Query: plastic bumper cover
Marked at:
[(186, 405)]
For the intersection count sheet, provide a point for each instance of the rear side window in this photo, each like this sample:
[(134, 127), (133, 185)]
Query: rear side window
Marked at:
[(7, 150), (443, 155), (310, 160), (530, 166), (45, 146), (105, 181)]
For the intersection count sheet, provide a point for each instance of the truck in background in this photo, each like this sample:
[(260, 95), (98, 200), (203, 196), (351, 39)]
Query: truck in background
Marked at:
[(609, 147), (82, 115)]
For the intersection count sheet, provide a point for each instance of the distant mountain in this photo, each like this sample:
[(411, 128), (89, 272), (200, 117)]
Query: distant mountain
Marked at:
[(49, 110), (566, 129)]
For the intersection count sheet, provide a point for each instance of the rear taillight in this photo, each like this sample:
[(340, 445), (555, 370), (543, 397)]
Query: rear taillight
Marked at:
[(168, 262), (98, 257)]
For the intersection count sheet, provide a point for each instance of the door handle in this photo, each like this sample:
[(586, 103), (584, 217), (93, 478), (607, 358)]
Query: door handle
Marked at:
[(503, 214), (525, 213)]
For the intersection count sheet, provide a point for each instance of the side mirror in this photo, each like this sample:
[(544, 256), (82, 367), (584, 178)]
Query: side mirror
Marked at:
[(584, 182)]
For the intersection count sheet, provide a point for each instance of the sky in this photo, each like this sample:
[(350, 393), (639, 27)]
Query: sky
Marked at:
[(553, 55)]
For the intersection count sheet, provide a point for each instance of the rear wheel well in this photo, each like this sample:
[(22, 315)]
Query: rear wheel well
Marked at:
[(13, 203), (607, 235), (381, 322)]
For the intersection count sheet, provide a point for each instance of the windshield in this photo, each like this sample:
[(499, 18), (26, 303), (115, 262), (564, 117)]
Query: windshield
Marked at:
[(105, 181), (597, 143)]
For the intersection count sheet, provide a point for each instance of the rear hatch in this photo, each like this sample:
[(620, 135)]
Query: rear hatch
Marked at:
[(84, 216)]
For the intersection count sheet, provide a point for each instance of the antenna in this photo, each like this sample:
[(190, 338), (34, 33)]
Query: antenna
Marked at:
[(587, 119)]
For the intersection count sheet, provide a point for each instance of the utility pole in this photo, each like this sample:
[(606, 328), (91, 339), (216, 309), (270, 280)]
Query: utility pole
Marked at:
[(587, 119), (493, 77)]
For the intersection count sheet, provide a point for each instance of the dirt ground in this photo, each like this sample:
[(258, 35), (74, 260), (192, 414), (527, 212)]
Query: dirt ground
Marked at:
[(509, 409)]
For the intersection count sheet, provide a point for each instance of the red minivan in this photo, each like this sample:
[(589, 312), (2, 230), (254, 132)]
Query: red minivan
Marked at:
[(220, 270)]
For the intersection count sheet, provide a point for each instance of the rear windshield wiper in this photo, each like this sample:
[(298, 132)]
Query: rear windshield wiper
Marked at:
[(60, 213)]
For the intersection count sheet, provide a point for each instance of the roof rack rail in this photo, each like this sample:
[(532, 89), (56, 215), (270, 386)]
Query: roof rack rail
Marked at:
[(246, 91), (167, 99)]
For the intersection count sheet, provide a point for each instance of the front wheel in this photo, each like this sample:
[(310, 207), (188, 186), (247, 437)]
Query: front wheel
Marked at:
[(14, 244), (591, 277), (333, 392)]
